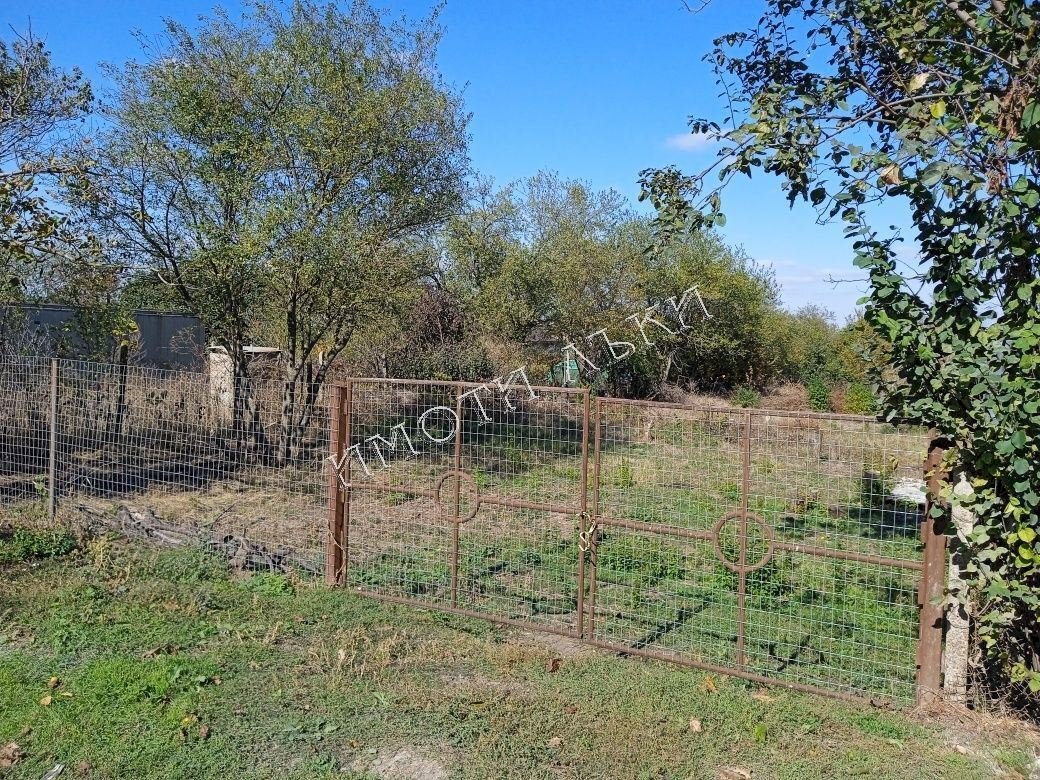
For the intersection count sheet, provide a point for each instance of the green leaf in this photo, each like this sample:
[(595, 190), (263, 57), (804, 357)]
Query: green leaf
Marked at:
[(938, 109), (933, 173), (1031, 115)]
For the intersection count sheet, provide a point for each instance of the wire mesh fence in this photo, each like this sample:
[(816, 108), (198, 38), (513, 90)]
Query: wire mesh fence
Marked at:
[(779, 546), (170, 455), (475, 506)]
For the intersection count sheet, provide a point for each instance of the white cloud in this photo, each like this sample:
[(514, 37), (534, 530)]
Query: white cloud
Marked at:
[(690, 142)]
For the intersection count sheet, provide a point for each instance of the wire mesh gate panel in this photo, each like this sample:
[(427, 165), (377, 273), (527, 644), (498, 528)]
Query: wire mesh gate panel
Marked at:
[(763, 544), (463, 496)]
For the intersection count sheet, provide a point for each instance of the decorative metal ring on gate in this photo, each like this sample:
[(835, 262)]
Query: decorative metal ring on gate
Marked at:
[(767, 536), (446, 509)]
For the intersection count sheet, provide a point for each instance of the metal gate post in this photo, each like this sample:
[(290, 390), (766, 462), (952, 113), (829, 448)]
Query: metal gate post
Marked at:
[(932, 585), (336, 540)]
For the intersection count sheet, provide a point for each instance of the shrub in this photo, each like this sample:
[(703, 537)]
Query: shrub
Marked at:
[(859, 399), (745, 397), (819, 394)]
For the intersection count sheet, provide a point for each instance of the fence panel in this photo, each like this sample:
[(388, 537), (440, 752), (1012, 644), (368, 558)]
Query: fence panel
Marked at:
[(770, 545), (24, 430), (158, 452), (664, 477)]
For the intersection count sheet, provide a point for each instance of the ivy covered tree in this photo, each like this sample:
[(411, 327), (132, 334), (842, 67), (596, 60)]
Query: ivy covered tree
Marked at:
[(934, 105)]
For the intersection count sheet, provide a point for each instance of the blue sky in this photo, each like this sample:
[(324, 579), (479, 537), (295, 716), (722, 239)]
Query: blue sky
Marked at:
[(596, 90)]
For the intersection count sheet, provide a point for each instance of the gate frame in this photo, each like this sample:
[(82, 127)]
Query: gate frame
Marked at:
[(930, 567)]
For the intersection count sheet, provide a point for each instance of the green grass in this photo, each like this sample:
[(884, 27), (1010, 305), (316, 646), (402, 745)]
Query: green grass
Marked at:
[(168, 667)]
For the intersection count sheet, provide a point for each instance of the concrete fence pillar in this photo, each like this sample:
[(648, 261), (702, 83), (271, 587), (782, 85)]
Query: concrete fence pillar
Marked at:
[(221, 387), (958, 616)]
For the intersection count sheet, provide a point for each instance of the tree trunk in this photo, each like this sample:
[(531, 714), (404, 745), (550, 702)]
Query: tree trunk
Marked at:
[(287, 422)]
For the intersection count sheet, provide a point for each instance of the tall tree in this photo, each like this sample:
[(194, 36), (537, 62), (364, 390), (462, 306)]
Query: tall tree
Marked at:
[(39, 102), (935, 105), (278, 171)]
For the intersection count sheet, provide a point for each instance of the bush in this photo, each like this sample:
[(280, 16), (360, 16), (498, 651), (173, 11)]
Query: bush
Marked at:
[(438, 341), (859, 399), (745, 397), (819, 394)]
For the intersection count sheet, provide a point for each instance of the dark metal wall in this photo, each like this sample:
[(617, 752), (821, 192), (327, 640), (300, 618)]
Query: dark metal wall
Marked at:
[(164, 340)]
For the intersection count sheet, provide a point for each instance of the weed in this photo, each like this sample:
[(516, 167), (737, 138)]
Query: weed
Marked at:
[(624, 477), (637, 560), (670, 433), (269, 584), (25, 545), (731, 491), (746, 397)]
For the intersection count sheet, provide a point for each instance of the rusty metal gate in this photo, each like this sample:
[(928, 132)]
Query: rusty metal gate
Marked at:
[(767, 545)]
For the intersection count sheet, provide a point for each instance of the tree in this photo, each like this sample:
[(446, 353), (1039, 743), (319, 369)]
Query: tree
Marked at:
[(280, 173), (546, 261), (571, 268), (933, 105), (38, 104), (738, 345)]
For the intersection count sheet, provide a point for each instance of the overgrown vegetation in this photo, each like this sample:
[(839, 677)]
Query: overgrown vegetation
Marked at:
[(382, 253), (22, 544), (133, 663)]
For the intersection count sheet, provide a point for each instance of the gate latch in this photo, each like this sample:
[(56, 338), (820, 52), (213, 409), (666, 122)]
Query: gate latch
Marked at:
[(585, 537)]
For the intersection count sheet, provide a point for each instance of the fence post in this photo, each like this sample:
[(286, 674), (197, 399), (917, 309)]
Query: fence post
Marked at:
[(932, 585), (52, 454), (335, 554), (958, 615)]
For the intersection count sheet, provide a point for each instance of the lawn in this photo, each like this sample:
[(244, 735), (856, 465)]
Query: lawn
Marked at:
[(127, 662)]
